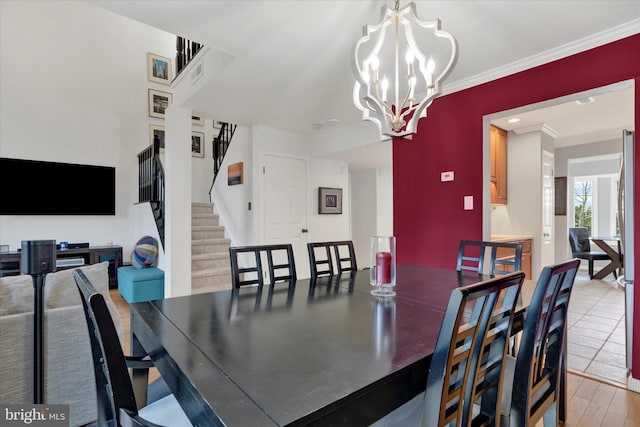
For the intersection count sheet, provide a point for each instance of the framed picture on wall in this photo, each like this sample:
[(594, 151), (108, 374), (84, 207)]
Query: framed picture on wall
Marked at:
[(158, 103), (197, 144), (329, 200), (560, 204), (156, 131), (159, 69), (235, 175), (197, 120)]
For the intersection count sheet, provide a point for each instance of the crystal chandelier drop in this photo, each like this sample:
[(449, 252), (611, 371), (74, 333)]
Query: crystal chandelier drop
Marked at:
[(397, 77)]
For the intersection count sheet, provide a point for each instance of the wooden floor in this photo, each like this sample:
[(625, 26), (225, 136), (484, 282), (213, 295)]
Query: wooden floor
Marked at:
[(591, 403)]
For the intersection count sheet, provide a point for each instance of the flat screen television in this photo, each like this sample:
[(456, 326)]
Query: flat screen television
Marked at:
[(32, 187)]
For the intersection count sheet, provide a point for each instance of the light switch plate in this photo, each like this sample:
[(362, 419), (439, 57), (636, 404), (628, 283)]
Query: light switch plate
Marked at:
[(446, 176), (468, 203)]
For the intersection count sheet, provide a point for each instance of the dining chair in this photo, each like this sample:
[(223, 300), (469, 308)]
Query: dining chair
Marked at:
[(470, 256), (285, 252), (284, 260), (116, 402), (505, 257), (464, 384), (581, 248), (345, 256), (238, 274), (320, 259), (534, 379)]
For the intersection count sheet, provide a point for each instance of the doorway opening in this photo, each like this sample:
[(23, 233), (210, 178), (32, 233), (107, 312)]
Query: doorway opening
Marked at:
[(596, 335)]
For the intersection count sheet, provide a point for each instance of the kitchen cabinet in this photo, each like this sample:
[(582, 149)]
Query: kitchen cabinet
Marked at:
[(498, 166)]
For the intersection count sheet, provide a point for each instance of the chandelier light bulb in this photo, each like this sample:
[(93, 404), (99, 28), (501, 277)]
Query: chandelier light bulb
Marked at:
[(431, 67)]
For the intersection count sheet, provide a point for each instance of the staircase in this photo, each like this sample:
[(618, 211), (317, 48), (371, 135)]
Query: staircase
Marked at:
[(210, 268)]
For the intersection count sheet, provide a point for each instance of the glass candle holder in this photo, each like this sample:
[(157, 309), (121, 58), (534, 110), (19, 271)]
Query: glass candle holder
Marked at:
[(383, 266)]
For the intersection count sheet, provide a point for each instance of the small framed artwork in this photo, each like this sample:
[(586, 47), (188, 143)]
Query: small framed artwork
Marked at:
[(217, 124), (156, 131), (197, 120), (158, 103), (329, 200), (560, 204), (235, 174), (159, 69), (197, 144)]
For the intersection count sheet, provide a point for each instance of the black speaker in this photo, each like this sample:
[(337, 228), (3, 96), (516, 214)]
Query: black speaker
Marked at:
[(38, 256)]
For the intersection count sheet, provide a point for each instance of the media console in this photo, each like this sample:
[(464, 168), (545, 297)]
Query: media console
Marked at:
[(70, 258)]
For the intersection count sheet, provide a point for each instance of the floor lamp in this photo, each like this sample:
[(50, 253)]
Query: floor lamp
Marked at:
[(38, 257)]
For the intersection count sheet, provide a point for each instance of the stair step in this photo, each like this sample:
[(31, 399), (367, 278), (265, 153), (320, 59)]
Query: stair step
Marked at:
[(201, 208), (207, 280), (210, 246), (204, 219), (208, 261), (203, 232), (210, 267)]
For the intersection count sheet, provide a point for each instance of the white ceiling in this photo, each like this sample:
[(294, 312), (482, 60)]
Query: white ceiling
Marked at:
[(291, 59)]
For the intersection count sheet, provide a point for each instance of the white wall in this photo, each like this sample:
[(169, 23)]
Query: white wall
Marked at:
[(384, 191), (232, 202), (364, 206), (70, 94), (371, 208)]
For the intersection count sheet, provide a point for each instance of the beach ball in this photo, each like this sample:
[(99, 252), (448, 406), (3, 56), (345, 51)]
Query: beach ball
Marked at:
[(145, 252)]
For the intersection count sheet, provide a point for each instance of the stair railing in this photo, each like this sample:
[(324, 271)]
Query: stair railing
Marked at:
[(151, 183), (186, 50), (220, 146)]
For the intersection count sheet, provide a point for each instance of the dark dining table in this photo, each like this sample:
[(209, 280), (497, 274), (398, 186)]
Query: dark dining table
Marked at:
[(322, 352), (615, 253)]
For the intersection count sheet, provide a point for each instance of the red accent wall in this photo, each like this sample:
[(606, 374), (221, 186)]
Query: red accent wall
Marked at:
[(429, 220)]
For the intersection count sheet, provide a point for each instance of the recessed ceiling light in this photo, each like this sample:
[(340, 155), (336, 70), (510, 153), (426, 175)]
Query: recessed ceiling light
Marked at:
[(513, 120), (587, 100)]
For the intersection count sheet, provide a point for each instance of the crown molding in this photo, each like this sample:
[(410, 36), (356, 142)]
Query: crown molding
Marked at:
[(594, 40), (539, 127)]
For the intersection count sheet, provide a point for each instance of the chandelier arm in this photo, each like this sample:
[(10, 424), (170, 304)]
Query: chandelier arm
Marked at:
[(379, 99)]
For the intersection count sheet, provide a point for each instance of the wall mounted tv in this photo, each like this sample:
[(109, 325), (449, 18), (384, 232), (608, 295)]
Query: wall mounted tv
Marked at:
[(31, 187)]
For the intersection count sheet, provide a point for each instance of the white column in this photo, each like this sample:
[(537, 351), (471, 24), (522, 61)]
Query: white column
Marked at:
[(177, 231)]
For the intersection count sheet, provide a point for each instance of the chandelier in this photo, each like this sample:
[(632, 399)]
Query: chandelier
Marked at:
[(392, 94)]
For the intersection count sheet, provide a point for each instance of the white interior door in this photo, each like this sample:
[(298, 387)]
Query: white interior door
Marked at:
[(285, 206), (547, 250)]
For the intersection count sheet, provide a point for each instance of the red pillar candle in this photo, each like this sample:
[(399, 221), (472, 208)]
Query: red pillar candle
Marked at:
[(383, 268)]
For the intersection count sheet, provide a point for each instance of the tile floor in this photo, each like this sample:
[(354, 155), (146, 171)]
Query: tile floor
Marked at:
[(596, 330)]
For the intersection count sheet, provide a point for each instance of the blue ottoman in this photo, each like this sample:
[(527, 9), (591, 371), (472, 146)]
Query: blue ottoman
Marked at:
[(140, 284)]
